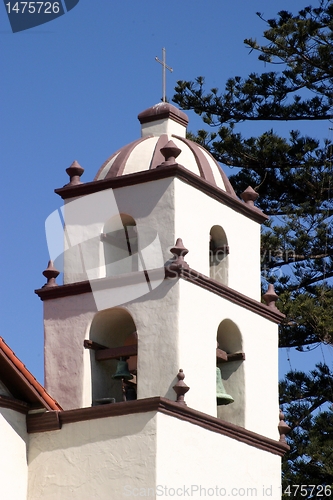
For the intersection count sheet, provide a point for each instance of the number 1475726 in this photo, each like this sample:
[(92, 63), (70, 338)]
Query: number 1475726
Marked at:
[(33, 7), (306, 490)]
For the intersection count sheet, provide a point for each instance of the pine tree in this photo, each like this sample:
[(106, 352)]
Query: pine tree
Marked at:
[(293, 178)]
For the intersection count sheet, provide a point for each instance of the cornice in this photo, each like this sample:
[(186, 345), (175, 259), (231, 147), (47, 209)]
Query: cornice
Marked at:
[(162, 173), (14, 404), (77, 288), (230, 294), (190, 275), (49, 421), (58, 291)]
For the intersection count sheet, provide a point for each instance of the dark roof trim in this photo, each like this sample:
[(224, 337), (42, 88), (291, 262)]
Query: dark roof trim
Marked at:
[(49, 421), (230, 294), (56, 292), (161, 111), (161, 173), (14, 404), (190, 275)]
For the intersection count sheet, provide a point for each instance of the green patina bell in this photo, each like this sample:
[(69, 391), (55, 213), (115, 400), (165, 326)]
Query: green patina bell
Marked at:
[(221, 396), (122, 371)]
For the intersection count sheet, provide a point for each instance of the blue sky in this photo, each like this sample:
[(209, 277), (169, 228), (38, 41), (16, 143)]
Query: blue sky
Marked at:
[(72, 89)]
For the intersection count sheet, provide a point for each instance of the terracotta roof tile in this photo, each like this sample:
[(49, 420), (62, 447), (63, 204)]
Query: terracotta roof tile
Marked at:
[(20, 381)]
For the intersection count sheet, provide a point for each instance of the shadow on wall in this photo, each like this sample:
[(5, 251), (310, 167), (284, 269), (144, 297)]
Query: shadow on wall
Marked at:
[(120, 242), (218, 255)]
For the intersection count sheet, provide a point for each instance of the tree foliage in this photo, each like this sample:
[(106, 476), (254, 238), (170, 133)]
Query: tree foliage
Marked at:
[(293, 176), (310, 460)]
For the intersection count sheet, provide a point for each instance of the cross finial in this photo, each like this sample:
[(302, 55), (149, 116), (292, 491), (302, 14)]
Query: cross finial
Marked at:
[(164, 67)]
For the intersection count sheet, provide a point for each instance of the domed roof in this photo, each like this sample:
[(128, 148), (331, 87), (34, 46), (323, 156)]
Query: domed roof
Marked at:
[(159, 125)]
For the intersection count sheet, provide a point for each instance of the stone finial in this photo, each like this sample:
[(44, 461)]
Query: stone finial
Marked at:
[(74, 171), (283, 428), (50, 274), (170, 152), (181, 388), (270, 297), (179, 251), (249, 196)]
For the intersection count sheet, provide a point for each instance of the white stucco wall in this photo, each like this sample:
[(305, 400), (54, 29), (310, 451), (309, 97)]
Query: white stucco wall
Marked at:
[(94, 459), (200, 313), (146, 455), (172, 209), (177, 328), (159, 127), (211, 465), (65, 323), (177, 322), (195, 214), (13, 455), (150, 204)]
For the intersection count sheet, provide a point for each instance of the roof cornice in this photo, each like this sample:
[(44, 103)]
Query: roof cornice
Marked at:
[(14, 404), (48, 421), (176, 171), (190, 275)]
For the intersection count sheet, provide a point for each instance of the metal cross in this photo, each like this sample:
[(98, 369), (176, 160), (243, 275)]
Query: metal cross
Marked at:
[(164, 67)]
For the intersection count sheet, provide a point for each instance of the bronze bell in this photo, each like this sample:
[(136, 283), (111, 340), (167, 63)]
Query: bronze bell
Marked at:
[(122, 371), (221, 396)]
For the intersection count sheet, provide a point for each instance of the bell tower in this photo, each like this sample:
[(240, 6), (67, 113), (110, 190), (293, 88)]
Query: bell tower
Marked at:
[(161, 273)]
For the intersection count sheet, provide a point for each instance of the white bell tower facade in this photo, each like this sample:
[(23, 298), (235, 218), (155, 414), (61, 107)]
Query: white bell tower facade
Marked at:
[(161, 271)]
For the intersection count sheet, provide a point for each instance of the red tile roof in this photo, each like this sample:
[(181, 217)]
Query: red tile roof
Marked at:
[(21, 383)]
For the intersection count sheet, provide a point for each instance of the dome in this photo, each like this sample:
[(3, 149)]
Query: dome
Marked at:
[(159, 125)]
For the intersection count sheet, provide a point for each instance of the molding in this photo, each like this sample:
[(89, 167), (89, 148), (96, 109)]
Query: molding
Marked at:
[(190, 275), (55, 292), (43, 422), (50, 421), (161, 111), (77, 288), (14, 404), (176, 171)]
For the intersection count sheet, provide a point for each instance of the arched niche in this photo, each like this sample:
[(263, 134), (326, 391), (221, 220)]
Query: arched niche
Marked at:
[(229, 340), (111, 328), (120, 242), (218, 255)]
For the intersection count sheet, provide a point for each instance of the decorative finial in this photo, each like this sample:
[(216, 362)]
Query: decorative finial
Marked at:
[(283, 428), (179, 252), (249, 196), (270, 297), (50, 274), (164, 67), (74, 171), (181, 388), (170, 152)]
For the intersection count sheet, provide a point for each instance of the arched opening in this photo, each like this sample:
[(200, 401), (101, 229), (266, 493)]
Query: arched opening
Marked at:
[(231, 365), (218, 255), (120, 241), (112, 338)]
